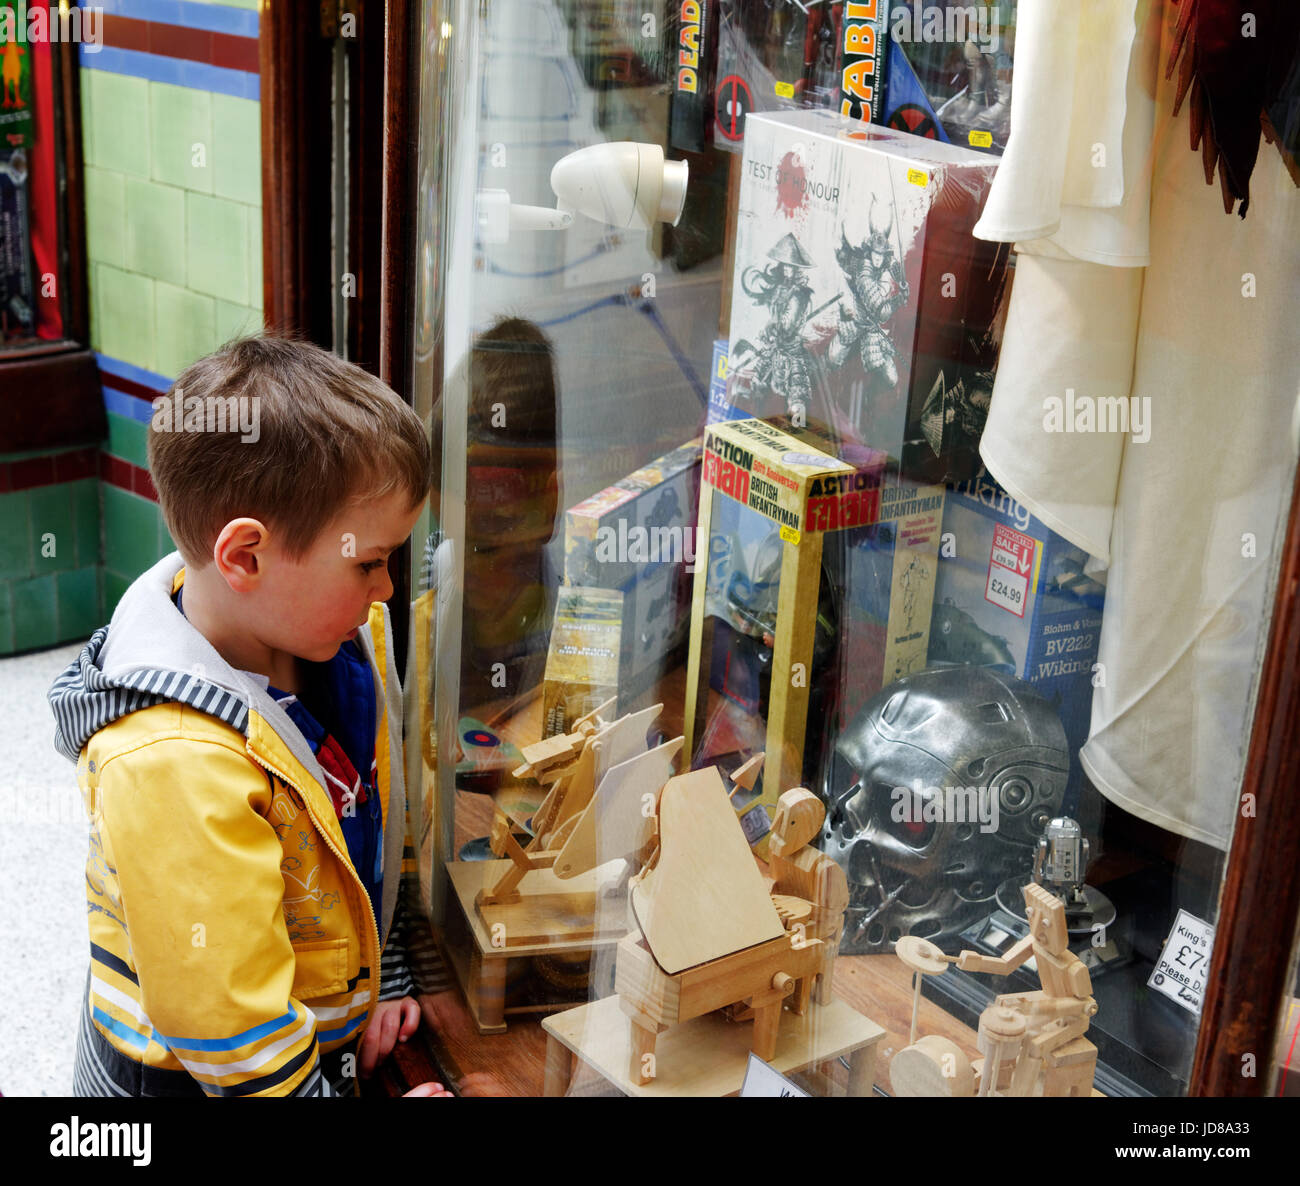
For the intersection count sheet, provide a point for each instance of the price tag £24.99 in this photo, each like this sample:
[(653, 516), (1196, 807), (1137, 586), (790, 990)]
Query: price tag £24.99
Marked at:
[(1011, 568)]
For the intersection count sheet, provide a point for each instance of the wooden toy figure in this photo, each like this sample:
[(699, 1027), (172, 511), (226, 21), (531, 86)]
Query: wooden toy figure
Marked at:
[(805, 873), (1052, 1057)]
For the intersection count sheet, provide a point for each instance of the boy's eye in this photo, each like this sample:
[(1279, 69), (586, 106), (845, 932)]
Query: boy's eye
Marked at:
[(371, 565)]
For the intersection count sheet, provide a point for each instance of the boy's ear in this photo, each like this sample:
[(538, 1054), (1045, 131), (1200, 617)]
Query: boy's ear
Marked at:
[(238, 552)]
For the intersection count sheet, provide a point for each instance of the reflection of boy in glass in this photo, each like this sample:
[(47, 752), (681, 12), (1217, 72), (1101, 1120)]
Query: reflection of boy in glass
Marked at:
[(511, 502)]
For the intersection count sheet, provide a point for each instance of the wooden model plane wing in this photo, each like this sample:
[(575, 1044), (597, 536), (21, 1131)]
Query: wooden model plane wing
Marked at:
[(616, 822), (705, 898)]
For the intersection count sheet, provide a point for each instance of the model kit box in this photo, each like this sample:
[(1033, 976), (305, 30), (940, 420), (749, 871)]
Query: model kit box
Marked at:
[(860, 297), (775, 622), (582, 665), (1013, 594), (642, 521), (949, 71)]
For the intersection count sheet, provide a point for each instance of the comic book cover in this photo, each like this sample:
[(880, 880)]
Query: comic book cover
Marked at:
[(861, 301), (949, 71)]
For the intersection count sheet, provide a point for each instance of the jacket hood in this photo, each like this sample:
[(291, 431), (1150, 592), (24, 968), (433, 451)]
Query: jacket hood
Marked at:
[(150, 653)]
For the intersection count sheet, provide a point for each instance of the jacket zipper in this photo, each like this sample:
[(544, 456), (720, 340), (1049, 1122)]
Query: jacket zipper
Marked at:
[(376, 965)]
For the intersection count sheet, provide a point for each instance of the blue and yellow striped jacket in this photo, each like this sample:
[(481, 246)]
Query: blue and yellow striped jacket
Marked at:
[(233, 945)]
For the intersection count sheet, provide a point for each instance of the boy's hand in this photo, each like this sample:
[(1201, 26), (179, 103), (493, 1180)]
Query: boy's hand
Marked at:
[(434, 1089), (392, 1022)]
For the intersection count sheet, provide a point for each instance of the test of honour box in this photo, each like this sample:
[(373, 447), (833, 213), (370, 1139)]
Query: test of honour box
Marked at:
[(787, 524), (860, 299)]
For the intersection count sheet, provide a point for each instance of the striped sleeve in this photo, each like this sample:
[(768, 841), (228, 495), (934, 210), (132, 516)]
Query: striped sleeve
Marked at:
[(198, 870)]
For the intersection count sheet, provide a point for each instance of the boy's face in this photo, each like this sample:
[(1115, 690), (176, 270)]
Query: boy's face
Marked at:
[(309, 606)]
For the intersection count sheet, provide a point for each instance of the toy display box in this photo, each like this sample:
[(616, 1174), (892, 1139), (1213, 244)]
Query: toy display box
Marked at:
[(781, 55), (636, 538), (582, 665), (949, 71), (817, 588), (860, 297), (1013, 594)]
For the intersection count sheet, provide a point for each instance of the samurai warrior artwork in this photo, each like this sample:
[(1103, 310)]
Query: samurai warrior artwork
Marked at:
[(782, 360), (877, 289)]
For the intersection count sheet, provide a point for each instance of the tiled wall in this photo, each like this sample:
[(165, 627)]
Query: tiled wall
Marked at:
[(171, 139)]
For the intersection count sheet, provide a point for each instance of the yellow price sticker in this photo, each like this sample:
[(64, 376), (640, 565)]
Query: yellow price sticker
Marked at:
[(790, 535), (918, 177), (979, 139), (785, 90)]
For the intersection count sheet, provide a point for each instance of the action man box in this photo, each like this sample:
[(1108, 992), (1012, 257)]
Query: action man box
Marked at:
[(949, 71), (818, 578), (860, 298), (1012, 594)]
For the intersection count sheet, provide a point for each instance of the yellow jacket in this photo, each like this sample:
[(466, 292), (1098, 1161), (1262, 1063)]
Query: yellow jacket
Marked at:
[(232, 942)]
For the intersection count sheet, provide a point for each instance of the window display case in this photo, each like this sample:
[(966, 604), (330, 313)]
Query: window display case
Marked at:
[(850, 630)]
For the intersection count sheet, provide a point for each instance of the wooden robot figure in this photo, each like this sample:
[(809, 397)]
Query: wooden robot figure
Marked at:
[(1032, 1042), (1052, 1052), (805, 875)]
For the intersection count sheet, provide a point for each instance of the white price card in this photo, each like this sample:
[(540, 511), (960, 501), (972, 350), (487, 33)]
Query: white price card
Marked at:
[(762, 1082), (1184, 962)]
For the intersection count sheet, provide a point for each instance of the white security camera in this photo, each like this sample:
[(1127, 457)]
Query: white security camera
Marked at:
[(624, 184)]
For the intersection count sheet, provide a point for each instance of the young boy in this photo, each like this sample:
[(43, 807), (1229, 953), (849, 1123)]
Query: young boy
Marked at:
[(237, 730)]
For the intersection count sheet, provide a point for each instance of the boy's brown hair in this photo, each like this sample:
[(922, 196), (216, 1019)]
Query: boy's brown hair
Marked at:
[(328, 434)]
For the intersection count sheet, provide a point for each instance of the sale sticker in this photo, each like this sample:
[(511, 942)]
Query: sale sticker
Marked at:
[(1184, 963), (980, 139), (918, 177), (784, 90), (1011, 569)]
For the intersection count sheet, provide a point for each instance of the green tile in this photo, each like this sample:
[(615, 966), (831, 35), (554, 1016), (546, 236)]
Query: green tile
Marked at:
[(119, 113), (78, 600), (155, 230), (236, 321), (15, 536), (130, 532), (92, 295), (105, 216), (217, 248), (185, 328), (255, 257), (180, 132), (127, 438), (237, 149), (6, 620), (124, 304), (85, 514), (114, 586), (54, 536), (36, 619)]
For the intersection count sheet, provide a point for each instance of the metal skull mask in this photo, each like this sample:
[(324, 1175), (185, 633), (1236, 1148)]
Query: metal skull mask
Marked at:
[(936, 793)]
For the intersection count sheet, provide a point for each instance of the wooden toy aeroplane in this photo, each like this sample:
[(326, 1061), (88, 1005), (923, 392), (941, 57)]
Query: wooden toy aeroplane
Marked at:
[(599, 774)]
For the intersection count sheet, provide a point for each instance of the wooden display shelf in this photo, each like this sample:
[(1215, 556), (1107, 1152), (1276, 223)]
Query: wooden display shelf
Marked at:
[(706, 1056), (482, 968)]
